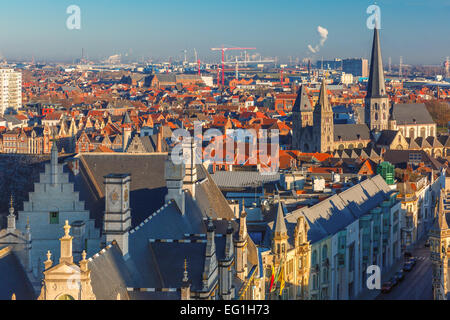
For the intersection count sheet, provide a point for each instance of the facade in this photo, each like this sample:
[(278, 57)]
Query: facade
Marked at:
[(66, 280), (10, 90), (331, 244), (419, 201), (51, 203), (439, 238)]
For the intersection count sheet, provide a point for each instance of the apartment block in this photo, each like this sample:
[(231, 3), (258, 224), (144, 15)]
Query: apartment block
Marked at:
[(10, 90)]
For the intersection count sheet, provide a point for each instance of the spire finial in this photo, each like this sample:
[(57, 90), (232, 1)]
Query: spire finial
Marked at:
[(13, 297), (185, 273), (49, 255), (11, 205), (83, 255)]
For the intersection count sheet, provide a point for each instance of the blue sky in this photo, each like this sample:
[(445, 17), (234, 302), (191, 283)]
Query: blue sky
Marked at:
[(418, 30)]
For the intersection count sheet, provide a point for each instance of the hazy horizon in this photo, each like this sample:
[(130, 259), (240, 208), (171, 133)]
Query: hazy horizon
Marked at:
[(286, 28)]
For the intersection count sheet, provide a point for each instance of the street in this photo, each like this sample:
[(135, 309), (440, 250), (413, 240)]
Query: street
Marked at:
[(417, 283)]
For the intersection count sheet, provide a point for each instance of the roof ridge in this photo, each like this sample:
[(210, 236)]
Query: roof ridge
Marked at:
[(150, 217)]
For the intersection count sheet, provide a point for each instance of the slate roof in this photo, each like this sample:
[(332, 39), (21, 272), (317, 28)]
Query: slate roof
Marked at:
[(407, 113), (13, 278), (350, 132), (386, 137), (375, 86), (239, 179), (109, 274), (302, 103), (340, 210)]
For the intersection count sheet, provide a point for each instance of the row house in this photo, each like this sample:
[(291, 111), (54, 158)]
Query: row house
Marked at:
[(343, 235), (419, 197)]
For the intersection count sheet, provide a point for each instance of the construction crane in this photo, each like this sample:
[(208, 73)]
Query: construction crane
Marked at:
[(246, 62), (223, 49)]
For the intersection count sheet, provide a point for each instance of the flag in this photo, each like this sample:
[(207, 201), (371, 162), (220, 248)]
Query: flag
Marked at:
[(272, 279), (282, 282), (276, 278)]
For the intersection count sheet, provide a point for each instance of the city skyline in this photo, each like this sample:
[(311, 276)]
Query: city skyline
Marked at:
[(283, 29)]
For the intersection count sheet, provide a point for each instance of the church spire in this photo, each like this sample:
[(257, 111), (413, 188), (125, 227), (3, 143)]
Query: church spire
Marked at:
[(279, 227), (376, 87), (323, 97), (302, 102)]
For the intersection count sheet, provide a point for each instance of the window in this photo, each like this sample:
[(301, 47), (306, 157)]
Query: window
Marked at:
[(54, 218)]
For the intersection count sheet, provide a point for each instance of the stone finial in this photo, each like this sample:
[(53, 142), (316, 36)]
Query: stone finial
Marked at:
[(13, 297), (48, 263), (118, 296), (83, 262), (66, 229), (11, 205)]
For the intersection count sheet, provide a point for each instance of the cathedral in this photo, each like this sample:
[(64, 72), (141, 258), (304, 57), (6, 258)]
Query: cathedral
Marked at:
[(313, 129)]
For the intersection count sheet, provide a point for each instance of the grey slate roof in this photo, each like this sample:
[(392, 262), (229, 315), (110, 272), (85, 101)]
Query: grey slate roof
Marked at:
[(340, 210), (13, 278), (109, 274), (375, 86), (350, 132), (407, 113), (302, 103), (236, 179)]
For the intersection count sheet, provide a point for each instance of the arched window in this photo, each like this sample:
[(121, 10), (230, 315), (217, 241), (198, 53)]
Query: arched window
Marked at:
[(314, 258), (376, 116), (376, 106), (423, 132), (411, 133), (324, 252)]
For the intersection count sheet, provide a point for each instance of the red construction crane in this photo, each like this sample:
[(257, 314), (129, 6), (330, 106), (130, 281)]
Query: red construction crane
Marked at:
[(223, 49)]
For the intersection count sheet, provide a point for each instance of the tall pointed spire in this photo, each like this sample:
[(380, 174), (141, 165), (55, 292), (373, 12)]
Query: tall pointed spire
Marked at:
[(279, 227), (376, 87), (302, 102), (323, 97)]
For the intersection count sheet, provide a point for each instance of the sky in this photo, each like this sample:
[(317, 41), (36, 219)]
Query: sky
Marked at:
[(418, 30)]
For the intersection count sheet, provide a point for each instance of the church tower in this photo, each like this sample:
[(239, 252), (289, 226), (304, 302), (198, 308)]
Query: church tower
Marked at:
[(439, 243), (323, 128), (302, 116), (377, 107)]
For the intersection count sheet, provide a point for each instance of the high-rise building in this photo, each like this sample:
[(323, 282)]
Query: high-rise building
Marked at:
[(10, 90), (358, 67)]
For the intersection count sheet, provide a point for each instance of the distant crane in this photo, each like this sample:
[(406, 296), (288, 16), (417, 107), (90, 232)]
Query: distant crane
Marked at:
[(223, 49)]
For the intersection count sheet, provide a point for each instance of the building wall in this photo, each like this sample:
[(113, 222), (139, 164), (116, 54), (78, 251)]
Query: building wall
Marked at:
[(10, 90)]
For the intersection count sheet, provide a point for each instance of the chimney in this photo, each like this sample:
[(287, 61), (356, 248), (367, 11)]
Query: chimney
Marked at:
[(117, 219), (174, 175), (191, 158)]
